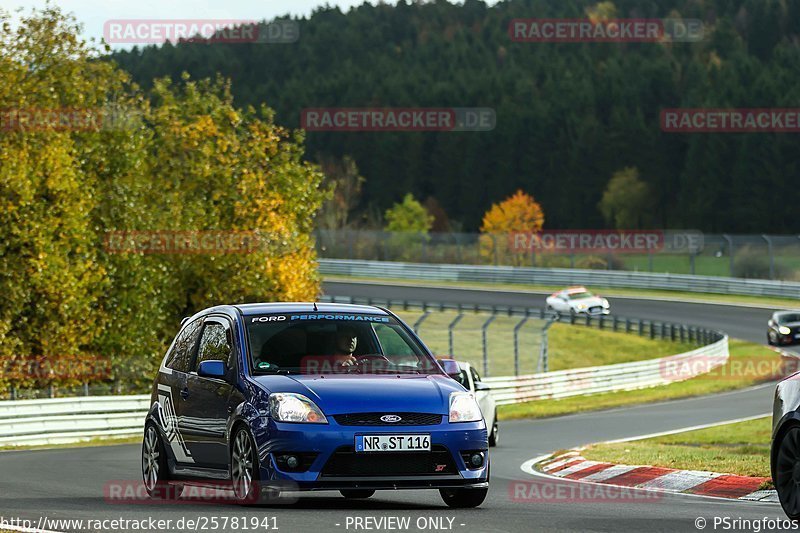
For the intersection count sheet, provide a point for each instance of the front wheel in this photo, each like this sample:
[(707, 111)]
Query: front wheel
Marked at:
[(787, 472), (357, 494), (463, 498), (155, 472), (494, 436)]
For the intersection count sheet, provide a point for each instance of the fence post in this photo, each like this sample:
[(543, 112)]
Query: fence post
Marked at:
[(544, 358), (450, 331), (771, 256), (516, 343), (730, 253), (419, 321), (652, 331), (484, 333), (641, 326)]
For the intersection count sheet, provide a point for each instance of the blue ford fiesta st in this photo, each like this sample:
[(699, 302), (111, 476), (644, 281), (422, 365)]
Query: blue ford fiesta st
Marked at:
[(264, 398)]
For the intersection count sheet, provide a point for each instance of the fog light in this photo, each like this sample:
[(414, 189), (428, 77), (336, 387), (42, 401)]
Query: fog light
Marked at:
[(476, 459), (292, 462)]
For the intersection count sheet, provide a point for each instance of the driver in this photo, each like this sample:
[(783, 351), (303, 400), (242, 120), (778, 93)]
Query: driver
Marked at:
[(346, 343)]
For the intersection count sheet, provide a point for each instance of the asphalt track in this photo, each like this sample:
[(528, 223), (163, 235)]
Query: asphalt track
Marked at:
[(69, 483)]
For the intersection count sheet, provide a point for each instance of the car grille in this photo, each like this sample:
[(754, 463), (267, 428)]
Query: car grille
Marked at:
[(374, 419), (345, 462), (595, 309)]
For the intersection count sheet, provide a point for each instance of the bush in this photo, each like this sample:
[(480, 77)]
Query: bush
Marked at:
[(751, 263)]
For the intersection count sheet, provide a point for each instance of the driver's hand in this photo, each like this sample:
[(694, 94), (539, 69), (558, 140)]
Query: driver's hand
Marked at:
[(347, 360)]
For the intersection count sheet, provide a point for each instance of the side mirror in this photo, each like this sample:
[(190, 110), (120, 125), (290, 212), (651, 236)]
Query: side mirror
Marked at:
[(212, 369), (479, 386), (450, 367)]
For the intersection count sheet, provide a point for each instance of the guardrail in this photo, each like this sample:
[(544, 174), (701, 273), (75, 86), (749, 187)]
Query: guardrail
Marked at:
[(558, 277), (609, 378), (63, 420)]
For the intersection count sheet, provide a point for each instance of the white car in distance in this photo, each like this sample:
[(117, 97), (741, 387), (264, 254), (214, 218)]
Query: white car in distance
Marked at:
[(577, 301)]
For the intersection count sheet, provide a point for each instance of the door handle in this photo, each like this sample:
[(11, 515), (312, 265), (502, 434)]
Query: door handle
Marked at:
[(185, 393)]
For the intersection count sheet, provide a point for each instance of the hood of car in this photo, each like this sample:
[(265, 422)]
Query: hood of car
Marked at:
[(341, 394)]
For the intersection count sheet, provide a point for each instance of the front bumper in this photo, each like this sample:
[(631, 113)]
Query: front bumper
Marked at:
[(332, 464)]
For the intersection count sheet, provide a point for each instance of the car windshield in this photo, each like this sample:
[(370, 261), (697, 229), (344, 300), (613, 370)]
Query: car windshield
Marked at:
[(321, 343), (579, 295), (788, 318)]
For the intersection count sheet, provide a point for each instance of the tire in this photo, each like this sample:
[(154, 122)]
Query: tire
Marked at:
[(244, 469), (769, 340), (155, 472), (494, 435), (463, 498), (787, 472), (357, 494)]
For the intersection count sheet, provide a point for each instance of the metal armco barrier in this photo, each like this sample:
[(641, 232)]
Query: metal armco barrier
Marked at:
[(610, 378), (63, 420), (558, 277)]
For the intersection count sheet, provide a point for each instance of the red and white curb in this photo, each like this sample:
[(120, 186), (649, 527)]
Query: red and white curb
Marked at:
[(571, 465)]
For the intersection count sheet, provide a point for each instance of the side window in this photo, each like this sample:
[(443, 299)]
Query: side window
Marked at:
[(463, 379), (182, 351), (476, 378), (391, 341), (215, 344)]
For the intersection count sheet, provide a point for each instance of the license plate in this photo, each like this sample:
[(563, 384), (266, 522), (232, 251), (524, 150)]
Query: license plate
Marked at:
[(393, 443)]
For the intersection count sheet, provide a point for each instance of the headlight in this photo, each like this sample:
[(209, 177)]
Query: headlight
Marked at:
[(581, 306), (291, 407), (464, 408), (784, 330)]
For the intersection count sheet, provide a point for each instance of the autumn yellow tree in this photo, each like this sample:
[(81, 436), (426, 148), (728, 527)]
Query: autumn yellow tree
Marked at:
[(518, 212)]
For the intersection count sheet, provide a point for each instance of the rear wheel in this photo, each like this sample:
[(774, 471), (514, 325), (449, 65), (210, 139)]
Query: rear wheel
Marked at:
[(463, 498), (357, 493), (770, 341), (155, 473), (787, 472), (494, 435)]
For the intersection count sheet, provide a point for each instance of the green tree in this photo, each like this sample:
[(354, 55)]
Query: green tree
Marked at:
[(627, 200), (408, 216)]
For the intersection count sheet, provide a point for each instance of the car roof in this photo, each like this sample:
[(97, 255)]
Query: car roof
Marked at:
[(307, 307)]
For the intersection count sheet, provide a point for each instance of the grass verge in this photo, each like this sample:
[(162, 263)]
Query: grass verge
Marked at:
[(610, 292), (741, 448), (749, 364)]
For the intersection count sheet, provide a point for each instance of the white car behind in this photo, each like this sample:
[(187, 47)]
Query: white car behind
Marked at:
[(577, 301), (471, 381)]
